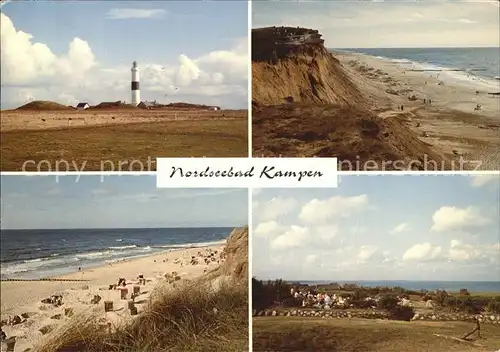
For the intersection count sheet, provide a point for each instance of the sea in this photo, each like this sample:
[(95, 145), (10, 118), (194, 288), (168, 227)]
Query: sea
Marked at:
[(487, 60), (34, 254), (450, 286)]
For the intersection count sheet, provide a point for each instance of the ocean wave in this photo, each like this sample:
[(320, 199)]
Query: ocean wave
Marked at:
[(396, 61), (88, 255), (123, 247), (446, 74), (35, 265), (55, 262), (192, 245)]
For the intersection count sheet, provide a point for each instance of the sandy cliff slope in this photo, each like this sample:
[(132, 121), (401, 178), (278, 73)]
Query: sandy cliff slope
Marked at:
[(311, 75), (235, 268)]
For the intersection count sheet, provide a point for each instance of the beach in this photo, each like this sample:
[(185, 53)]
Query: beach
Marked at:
[(450, 123), (20, 298)]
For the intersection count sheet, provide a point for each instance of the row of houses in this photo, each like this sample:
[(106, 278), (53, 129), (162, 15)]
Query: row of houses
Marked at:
[(143, 105)]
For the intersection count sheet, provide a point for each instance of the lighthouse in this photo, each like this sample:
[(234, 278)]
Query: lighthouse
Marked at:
[(136, 93)]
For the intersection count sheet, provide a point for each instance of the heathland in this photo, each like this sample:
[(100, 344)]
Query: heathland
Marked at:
[(46, 136), (370, 112)]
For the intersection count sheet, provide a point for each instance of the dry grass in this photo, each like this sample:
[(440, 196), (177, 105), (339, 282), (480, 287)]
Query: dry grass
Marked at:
[(90, 146), (353, 135), (179, 320), (358, 335)]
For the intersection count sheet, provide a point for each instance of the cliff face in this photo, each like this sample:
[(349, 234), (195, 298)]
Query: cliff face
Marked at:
[(235, 267), (305, 104), (296, 67)]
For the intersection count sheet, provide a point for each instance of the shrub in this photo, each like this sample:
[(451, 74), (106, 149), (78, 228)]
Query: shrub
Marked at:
[(440, 297), (401, 313), (494, 305), (292, 302), (427, 297), (388, 302)]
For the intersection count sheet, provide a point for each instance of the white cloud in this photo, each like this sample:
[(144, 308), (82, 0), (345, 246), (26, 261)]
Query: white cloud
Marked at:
[(311, 260), (366, 253), (326, 233), (267, 228), (274, 208), (452, 218), (403, 24), (481, 180), (400, 228), (319, 211), (421, 252), (32, 71), (292, 238), (25, 62), (128, 13), (462, 252)]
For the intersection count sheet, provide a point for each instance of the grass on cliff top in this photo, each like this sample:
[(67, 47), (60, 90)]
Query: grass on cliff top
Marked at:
[(292, 334), (181, 320)]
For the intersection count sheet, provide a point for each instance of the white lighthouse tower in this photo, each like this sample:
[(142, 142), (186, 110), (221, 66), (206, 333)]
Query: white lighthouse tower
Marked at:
[(136, 93)]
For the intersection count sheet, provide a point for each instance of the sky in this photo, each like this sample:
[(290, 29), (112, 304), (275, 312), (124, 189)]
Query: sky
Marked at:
[(45, 202), (390, 23), (68, 52), (421, 228)]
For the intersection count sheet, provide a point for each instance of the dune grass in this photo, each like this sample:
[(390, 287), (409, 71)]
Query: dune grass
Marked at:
[(182, 319)]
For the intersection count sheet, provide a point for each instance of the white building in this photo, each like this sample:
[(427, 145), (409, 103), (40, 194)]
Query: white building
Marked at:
[(82, 106)]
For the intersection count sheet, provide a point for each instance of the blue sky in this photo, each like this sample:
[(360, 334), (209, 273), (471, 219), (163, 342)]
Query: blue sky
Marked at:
[(78, 50), (380, 228), (118, 202), (388, 24)]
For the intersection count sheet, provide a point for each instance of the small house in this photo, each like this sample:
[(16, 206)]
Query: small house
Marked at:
[(82, 106), (215, 108), (146, 105)]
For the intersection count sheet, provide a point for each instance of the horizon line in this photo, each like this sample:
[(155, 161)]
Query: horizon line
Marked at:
[(123, 228), (420, 47), (365, 280)]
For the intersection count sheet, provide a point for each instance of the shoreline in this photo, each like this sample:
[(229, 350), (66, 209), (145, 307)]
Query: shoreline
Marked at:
[(24, 297), (453, 94), (451, 124), (97, 264), (424, 67)]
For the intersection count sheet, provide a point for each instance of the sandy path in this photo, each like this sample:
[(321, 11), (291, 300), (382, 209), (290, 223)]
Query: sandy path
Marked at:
[(19, 297)]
